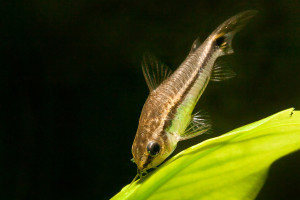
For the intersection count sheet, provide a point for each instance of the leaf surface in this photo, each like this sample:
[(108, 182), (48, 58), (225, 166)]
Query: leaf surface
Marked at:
[(231, 166)]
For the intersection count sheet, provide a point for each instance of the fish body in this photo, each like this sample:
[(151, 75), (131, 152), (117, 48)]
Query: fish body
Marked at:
[(167, 117)]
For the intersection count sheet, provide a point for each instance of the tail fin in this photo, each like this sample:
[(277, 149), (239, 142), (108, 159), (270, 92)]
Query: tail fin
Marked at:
[(224, 33)]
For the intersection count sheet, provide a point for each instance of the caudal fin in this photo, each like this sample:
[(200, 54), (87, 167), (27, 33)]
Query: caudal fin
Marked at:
[(224, 33)]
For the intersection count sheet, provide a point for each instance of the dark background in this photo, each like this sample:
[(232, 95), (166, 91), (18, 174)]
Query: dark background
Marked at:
[(72, 88)]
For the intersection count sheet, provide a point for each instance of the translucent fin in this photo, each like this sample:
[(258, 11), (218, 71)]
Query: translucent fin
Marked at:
[(224, 33), (198, 125), (221, 72), (195, 45), (132, 160), (154, 71)]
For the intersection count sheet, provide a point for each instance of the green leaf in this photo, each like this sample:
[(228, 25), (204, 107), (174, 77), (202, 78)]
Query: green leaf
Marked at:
[(232, 166)]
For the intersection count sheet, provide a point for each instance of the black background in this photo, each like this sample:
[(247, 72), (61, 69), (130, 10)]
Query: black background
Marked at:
[(72, 87)]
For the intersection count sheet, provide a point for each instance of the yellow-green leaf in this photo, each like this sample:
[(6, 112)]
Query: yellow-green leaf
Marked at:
[(232, 166)]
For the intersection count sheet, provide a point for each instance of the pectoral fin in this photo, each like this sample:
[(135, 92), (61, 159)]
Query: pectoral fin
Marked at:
[(198, 125)]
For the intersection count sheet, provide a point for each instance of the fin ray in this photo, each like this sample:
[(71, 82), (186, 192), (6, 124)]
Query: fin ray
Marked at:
[(221, 72), (199, 124), (224, 34), (154, 71)]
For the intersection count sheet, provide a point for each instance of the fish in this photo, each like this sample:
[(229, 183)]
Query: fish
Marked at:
[(167, 115)]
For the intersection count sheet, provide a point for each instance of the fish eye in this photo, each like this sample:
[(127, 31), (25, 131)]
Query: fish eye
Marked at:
[(153, 148)]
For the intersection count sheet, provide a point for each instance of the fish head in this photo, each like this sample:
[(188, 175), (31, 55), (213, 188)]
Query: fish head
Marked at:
[(151, 149)]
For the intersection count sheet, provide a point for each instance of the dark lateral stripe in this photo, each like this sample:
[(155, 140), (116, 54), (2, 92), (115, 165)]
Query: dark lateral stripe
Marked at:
[(171, 115)]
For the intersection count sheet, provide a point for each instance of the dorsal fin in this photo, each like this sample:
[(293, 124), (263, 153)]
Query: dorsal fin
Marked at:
[(154, 71), (195, 45), (199, 124), (221, 72)]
